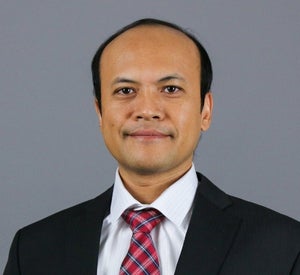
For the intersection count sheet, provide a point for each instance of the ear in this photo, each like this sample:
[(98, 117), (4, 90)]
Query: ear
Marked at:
[(98, 112), (206, 113)]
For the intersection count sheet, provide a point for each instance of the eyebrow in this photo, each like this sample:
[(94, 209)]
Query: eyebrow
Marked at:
[(171, 77), (163, 79), (123, 80)]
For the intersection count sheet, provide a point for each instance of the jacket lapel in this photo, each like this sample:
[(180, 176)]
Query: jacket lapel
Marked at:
[(211, 232), (83, 236)]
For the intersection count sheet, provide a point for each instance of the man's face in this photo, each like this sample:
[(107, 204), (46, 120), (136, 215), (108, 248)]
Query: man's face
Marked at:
[(151, 115)]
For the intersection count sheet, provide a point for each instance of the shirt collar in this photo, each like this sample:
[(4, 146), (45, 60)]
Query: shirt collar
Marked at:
[(175, 202)]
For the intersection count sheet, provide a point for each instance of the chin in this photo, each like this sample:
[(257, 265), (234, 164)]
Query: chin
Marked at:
[(150, 168)]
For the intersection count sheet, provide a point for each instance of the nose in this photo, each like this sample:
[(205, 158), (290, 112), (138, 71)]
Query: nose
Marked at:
[(148, 106)]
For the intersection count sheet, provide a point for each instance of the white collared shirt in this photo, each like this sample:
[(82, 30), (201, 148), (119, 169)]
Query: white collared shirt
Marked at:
[(175, 203)]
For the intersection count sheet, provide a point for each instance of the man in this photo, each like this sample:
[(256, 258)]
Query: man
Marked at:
[(152, 89)]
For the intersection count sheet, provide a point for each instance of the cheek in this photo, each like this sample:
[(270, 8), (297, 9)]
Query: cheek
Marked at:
[(111, 124), (108, 128), (188, 116)]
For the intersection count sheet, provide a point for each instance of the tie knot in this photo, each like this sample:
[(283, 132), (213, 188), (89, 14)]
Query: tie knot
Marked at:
[(142, 220)]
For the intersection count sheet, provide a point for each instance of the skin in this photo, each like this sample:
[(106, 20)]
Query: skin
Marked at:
[(151, 118)]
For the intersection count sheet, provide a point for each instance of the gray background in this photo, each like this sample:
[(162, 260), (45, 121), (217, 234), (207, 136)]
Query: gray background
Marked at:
[(51, 153)]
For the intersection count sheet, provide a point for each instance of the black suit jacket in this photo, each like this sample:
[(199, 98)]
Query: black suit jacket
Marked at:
[(226, 236)]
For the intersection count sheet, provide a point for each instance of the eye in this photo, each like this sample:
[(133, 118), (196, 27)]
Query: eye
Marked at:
[(125, 91), (171, 89)]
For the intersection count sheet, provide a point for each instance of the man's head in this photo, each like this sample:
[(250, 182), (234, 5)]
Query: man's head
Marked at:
[(152, 113), (206, 67)]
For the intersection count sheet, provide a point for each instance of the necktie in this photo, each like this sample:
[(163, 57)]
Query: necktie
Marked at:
[(141, 258)]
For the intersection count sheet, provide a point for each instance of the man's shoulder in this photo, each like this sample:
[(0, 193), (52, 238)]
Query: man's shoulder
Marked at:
[(75, 229), (66, 217), (264, 220), (255, 211), (260, 234), (251, 214)]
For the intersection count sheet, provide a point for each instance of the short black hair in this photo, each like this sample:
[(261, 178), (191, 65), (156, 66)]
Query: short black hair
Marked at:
[(206, 67)]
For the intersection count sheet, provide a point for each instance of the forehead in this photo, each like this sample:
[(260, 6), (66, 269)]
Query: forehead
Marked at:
[(160, 42)]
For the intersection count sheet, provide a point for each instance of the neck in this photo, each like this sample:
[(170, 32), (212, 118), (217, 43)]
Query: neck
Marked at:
[(147, 188)]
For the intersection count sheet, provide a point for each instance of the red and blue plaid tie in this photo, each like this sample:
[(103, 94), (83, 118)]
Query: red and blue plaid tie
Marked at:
[(141, 258)]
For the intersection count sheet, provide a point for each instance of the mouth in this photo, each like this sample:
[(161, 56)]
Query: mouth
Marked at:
[(148, 134)]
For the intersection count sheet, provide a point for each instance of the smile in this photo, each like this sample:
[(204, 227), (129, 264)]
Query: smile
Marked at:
[(148, 134)]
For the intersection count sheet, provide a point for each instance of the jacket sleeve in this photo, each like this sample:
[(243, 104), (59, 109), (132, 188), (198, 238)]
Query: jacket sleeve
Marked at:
[(12, 266)]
